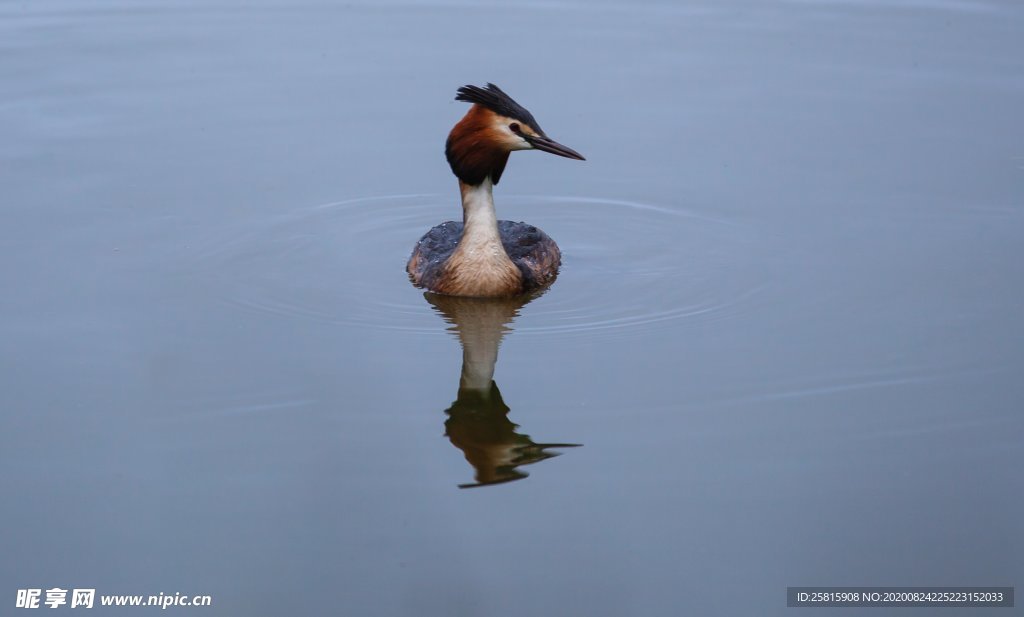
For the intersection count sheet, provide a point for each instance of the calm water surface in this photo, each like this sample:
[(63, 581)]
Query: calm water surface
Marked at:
[(785, 347)]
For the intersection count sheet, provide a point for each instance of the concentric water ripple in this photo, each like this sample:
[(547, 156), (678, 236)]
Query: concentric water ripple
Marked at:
[(627, 266)]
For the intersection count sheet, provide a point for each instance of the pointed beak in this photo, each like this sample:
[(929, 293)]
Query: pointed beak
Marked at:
[(552, 146)]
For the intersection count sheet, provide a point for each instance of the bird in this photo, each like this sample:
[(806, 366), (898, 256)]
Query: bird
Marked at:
[(483, 256)]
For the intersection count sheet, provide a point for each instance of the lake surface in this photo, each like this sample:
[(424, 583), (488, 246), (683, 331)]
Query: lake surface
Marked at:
[(785, 346)]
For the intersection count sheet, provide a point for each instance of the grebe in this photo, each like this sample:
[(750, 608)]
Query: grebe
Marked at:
[(483, 256)]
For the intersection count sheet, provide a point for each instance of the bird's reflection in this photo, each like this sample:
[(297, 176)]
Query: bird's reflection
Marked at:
[(478, 422)]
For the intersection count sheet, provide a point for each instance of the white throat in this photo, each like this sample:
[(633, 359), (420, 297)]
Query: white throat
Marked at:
[(480, 266), (479, 218)]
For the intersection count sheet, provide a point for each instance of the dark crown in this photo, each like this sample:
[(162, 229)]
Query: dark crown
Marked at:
[(494, 98)]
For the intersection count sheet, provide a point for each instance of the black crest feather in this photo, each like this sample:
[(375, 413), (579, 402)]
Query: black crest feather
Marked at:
[(494, 98)]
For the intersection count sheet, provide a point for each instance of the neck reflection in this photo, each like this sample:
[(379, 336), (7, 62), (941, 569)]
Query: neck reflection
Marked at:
[(478, 422)]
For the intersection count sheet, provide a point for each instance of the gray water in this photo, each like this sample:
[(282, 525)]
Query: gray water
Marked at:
[(785, 346)]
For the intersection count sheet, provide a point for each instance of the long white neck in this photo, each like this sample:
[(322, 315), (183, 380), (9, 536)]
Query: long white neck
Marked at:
[(479, 218), (480, 266)]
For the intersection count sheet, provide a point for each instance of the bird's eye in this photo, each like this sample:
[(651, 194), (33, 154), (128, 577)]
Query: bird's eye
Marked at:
[(514, 127)]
